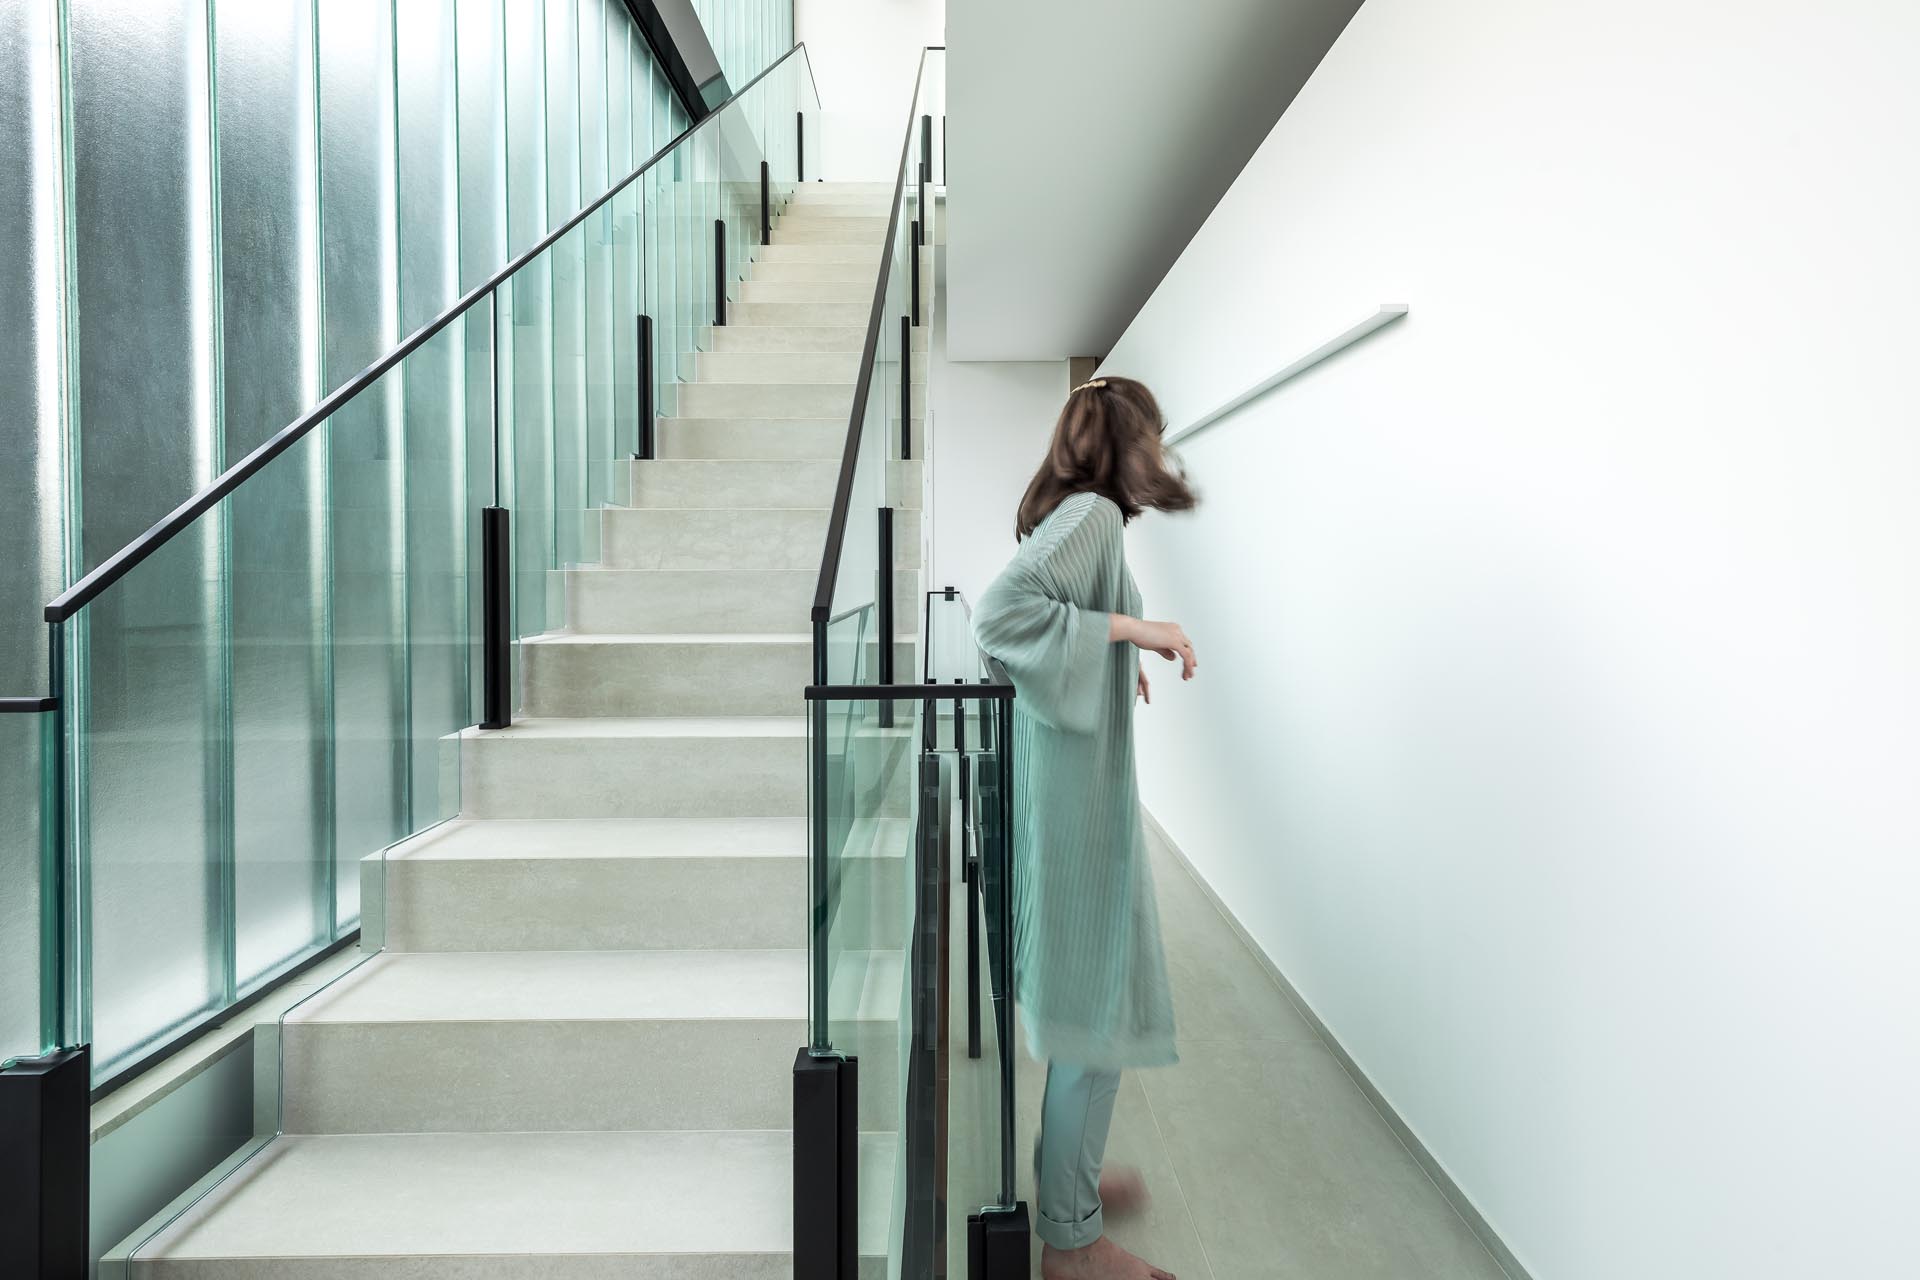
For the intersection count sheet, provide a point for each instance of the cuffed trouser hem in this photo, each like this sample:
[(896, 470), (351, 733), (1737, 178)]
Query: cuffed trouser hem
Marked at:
[(1069, 1235), (1075, 1113)]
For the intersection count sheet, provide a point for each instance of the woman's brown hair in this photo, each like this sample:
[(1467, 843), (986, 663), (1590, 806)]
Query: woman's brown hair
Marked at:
[(1107, 441)]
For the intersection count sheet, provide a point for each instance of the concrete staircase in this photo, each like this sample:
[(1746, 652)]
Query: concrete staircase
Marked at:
[(572, 1058)]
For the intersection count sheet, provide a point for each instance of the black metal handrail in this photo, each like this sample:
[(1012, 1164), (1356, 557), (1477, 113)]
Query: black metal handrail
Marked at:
[(116, 566), (27, 706), (863, 382)]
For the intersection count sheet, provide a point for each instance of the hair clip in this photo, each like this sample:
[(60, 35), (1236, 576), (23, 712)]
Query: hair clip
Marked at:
[(1096, 382)]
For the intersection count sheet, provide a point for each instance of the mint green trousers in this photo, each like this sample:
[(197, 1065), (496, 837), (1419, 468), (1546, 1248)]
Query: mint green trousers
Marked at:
[(1075, 1114)]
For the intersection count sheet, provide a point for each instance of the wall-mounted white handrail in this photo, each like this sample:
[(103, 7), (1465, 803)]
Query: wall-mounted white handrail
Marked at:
[(1386, 315)]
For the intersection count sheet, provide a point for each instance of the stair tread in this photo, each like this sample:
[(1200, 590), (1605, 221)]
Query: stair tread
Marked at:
[(645, 727), (601, 986), (476, 1195), (526, 839)]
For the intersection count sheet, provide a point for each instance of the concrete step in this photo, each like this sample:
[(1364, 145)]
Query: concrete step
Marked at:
[(505, 1206), (874, 206), (746, 439), (778, 366), (781, 338), (865, 254), (796, 228), (777, 399), (806, 291), (843, 272), (801, 314), (673, 675), (731, 537), (746, 482), (612, 767), (618, 601), (712, 538), (585, 884), (563, 1041), (765, 400)]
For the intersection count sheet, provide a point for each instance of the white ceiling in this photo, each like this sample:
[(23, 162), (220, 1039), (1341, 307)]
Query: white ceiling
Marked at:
[(1088, 142)]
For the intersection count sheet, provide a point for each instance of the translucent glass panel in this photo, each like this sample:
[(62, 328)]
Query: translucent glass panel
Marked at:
[(34, 436), (26, 809), (862, 795), (747, 36), (269, 312), (159, 789)]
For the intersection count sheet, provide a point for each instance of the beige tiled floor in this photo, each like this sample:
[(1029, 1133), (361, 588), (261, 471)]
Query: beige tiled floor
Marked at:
[(1265, 1159)]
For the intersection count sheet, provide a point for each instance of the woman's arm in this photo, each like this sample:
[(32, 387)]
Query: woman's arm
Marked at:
[(1163, 638)]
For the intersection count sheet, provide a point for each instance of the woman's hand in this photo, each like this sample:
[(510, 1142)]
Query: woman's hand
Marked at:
[(1163, 638), (1140, 688)]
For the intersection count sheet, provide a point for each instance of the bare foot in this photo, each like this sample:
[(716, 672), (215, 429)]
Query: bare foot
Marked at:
[(1123, 1191), (1101, 1260)]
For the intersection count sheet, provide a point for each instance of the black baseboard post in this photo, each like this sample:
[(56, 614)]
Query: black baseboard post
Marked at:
[(46, 1136), (826, 1168), (998, 1244)]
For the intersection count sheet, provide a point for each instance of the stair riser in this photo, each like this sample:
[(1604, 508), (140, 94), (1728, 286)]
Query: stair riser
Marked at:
[(841, 272), (806, 314), (839, 367), (838, 339), (800, 229), (595, 904), (728, 679), (868, 254), (777, 400), (753, 602), (679, 483), (747, 439), (529, 777), (506, 1077), (806, 291), (631, 538)]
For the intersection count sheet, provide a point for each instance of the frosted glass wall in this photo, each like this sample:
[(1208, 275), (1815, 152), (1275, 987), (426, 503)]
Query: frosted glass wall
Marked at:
[(214, 214)]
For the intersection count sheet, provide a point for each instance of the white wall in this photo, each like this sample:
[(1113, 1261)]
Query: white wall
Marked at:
[(990, 427), (865, 54), (1558, 725)]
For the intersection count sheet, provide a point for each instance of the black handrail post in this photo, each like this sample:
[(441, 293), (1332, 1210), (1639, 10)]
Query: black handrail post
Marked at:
[(915, 257), (644, 445), (496, 575), (926, 144), (906, 387), (883, 596), (45, 1132), (766, 203), (719, 272), (800, 146)]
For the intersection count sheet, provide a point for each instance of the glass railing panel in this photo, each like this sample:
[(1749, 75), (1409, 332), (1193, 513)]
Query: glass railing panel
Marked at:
[(149, 775), (575, 522), (983, 1049), (27, 957), (526, 437), (214, 686), (446, 487), (863, 806)]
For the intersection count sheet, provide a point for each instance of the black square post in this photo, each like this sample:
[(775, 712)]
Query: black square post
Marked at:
[(719, 272), (496, 620), (998, 1245), (826, 1167), (45, 1139)]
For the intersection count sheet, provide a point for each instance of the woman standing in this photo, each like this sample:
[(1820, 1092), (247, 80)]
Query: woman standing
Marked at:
[(1090, 977)]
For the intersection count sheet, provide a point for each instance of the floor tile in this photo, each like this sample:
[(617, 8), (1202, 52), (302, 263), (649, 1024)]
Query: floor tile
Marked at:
[(1290, 1173), (1221, 991)]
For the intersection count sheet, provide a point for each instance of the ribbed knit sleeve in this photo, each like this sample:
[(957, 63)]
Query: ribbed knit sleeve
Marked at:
[(1054, 649)]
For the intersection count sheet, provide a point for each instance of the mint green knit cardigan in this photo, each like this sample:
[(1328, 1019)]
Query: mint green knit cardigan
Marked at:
[(1090, 977)]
